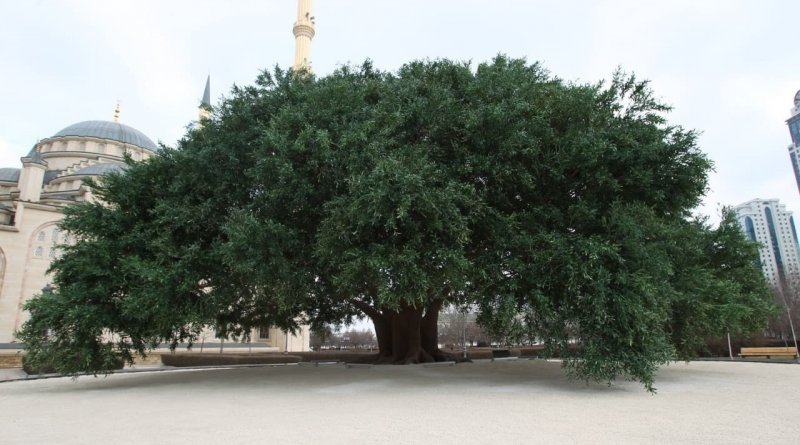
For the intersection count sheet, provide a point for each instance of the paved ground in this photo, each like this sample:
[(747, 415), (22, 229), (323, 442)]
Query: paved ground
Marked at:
[(511, 402)]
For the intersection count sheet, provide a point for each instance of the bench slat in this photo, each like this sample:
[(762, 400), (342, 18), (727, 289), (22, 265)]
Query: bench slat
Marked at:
[(787, 354), (770, 351)]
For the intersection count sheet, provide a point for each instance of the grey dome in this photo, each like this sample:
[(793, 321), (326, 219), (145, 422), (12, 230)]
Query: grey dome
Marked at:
[(109, 130), (9, 174), (101, 169)]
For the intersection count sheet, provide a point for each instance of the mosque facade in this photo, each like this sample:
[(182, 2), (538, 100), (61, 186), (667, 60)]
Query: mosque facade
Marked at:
[(52, 176)]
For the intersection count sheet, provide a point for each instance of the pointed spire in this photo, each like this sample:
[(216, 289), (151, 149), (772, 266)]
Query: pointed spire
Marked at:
[(116, 112), (204, 111), (207, 92)]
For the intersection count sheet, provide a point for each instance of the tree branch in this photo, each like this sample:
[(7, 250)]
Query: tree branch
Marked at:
[(370, 311)]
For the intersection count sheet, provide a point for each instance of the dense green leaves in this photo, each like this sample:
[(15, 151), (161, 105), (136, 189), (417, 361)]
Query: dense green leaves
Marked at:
[(562, 210)]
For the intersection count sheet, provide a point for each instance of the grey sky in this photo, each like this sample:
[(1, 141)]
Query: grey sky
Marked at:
[(730, 68)]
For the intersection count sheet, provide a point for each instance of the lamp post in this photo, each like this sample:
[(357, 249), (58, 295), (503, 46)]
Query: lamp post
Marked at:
[(791, 325), (781, 291), (464, 332), (47, 290), (730, 350)]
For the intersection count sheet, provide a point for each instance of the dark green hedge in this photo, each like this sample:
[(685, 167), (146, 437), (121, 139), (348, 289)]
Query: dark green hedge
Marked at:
[(49, 369)]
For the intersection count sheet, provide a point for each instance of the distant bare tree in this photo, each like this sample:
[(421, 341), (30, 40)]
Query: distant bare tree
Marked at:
[(360, 339), (783, 326), (459, 325), (352, 339)]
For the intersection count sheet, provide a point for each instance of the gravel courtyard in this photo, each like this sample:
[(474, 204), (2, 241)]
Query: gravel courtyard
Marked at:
[(502, 402)]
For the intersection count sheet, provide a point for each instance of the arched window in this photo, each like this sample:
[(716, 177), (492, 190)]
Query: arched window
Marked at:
[(41, 236), (39, 251), (55, 235)]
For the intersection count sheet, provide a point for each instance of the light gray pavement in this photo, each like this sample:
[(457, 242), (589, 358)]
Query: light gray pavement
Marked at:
[(503, 402), (11, 374)]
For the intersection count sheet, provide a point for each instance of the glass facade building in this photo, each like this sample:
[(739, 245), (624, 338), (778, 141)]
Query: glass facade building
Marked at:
[(767, 222), (794, 133)]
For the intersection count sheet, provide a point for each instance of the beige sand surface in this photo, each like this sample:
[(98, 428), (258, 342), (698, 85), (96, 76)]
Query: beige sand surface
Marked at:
[(511, 402)]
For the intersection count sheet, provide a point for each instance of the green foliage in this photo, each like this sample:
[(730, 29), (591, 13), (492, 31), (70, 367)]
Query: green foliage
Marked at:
[(562, 210), (719, 287)]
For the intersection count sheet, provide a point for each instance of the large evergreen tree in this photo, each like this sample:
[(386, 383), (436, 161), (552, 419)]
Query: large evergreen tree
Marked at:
[(392, 194)]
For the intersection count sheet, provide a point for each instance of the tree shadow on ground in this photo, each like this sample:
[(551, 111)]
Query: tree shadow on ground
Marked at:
[(532, 376)]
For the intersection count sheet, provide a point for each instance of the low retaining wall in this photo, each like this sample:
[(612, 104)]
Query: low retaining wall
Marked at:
[(199, 359), (11, 360)]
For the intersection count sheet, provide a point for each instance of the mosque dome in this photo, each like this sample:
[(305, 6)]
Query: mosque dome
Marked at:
[(114, 131)]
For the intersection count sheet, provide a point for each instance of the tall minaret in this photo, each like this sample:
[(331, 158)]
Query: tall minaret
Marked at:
[(303, 33), (205, 105)]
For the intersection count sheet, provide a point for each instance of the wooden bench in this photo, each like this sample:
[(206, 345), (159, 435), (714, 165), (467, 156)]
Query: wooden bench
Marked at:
[(769, 352)]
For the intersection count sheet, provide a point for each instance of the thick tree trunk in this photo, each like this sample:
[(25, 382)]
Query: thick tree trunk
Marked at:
[(406, 338), (407, 335), (430, 332), (383, 331)]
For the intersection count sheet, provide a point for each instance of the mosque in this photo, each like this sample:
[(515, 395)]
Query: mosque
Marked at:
[(33, 196)]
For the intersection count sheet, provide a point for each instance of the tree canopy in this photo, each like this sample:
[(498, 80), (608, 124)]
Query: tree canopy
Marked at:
[(562, 207)]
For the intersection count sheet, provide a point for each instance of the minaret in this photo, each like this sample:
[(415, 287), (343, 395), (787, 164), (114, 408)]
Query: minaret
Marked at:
[(205, 106), (31, 177), (303, 33)]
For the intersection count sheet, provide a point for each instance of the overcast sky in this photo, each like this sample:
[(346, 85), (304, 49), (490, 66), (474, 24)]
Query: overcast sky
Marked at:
[(729, 68)]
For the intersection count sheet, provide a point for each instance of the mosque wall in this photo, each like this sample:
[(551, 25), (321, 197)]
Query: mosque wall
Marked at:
[(28, 248)]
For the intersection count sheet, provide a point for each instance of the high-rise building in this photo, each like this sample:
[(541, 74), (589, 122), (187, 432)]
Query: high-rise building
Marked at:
[(794, 131), (769, 223)]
